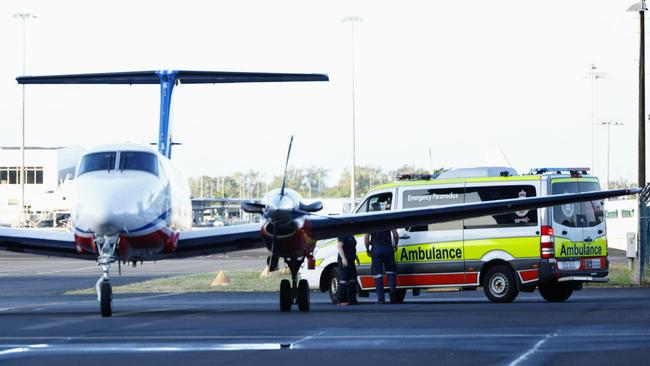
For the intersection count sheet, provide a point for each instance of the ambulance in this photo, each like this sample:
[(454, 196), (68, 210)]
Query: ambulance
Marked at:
[(554, 250)]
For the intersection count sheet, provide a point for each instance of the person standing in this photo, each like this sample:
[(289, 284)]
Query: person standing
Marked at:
[(382, 246), (347, 271)]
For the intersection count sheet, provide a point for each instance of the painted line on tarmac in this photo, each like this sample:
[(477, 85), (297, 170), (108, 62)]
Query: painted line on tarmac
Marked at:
[(57, 323), (47, 349), (277, 336), (314, 337), (33, 306), (532, 350), (294, 344), (6, 274)]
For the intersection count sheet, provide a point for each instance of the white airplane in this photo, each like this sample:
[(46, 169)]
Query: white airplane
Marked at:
[(131, 204)]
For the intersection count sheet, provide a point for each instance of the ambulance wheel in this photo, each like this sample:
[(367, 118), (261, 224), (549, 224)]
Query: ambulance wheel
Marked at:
[(400, 294), (303, 295), (285, 295), (555, 292), (333, 284), (106, 299), (499, 284)]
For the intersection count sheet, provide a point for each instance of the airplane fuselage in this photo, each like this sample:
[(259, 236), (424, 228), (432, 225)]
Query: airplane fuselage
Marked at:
[(134, 192)]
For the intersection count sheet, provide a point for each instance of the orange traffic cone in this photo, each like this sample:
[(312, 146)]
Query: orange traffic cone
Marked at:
[(220, 280)]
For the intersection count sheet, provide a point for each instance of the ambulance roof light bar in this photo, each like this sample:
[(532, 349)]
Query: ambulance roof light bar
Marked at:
[(575, 172), (402, 177)]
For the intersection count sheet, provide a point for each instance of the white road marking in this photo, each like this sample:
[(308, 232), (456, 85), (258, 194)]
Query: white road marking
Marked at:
[(294, 344), (40, 349), (6, 274), (181, 337), (32, 306), (532, 350), (56, 323)]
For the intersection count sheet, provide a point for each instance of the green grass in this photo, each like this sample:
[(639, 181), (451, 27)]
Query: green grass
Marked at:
[(249, 281), (619, 276), (240, 281)]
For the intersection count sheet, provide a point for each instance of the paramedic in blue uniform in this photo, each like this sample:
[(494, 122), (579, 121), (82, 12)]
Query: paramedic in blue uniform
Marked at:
[(347, 271), (382, 246)]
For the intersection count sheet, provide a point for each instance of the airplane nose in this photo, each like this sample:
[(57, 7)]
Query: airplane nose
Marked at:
[(110, 206)]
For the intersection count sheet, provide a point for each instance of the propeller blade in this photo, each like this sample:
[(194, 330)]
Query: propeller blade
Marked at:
[(286, 165), (312, 207), (253, 207), (273, 266)]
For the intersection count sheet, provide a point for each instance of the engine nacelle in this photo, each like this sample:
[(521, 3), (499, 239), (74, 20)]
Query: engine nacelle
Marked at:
[(291, 239)]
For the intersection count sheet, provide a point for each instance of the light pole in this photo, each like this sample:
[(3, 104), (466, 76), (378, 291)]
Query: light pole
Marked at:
[(609, 124), (641, 8), (644, 211), (353, 20), (594, 75), (24, 17)]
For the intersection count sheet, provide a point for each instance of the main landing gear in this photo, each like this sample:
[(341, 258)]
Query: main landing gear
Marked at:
[(106, 246), (294, 291)]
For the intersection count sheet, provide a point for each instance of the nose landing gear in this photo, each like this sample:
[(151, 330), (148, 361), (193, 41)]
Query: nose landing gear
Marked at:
[(106, 245), (294, 291)]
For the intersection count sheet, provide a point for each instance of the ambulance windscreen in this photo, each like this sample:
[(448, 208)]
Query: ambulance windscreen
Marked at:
[(582, 214)]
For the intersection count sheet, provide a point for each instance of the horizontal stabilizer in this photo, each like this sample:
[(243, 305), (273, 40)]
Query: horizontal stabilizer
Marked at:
[(185, 77)]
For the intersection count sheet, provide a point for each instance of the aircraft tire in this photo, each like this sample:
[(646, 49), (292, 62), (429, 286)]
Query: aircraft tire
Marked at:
[(285, 295), (555, 292), (106, 299), (303, 295)]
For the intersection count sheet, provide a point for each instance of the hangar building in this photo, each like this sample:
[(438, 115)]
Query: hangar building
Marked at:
[(48, 173)]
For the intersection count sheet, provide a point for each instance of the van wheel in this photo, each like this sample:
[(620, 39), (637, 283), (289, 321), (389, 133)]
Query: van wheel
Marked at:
[(499, 284), (555, 292), (333, 284)]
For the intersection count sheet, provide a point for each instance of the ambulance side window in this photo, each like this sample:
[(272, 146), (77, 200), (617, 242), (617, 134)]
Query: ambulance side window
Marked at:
[(421, 198), (511, 219), (384, 200)]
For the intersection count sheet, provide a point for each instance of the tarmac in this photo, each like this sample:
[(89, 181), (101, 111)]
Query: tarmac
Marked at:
[(41, 326)]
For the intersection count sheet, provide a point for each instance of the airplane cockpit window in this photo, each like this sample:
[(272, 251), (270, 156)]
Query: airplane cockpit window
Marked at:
[(97, 161), (137, 160)]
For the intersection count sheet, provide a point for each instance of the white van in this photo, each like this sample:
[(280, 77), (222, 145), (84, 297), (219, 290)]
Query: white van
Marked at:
[(553, 249)]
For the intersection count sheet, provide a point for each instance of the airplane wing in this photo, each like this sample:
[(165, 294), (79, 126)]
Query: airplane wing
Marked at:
[(185, 77), (190, 243), (322, 227), (41, 241), (217, 240), (241, 237)]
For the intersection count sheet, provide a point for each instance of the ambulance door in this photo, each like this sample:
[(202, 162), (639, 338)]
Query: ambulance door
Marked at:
[(593, 257), (513, 236), (431, 255), (579, 228), (386, 200), (568, 221)]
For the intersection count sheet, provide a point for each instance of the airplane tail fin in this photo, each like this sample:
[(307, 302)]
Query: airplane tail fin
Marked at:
[(167, 80)]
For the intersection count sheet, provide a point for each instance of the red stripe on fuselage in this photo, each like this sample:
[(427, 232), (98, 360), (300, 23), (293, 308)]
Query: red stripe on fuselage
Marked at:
[(164, 240), (85, 244)]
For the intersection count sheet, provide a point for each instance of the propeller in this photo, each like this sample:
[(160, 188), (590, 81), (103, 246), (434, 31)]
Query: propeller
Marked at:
[(253, 207), (272, 259), (278, 214), (286, 165)]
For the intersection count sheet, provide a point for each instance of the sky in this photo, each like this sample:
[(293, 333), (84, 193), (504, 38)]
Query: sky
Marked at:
[(475, 82)]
